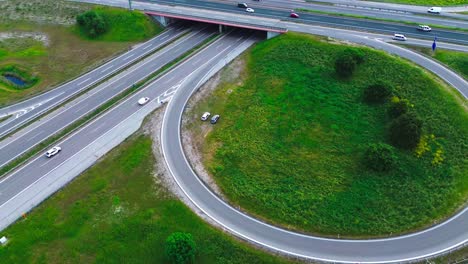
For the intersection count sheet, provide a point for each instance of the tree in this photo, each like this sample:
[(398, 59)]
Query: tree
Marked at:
[(345, 66), (398, 108), (347, 62), (180, 248), (380, 157), (377, 93), (92, 23), (406, 130)]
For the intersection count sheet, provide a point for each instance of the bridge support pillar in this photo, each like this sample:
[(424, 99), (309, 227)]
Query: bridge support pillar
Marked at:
[(164, 21), (222, 28), (271, 34)]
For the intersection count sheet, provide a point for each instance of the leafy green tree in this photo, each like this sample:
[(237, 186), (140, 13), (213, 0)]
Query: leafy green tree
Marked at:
[(398, 108), (347, 61), (92, 23), (380, 157), (406, 131), (180, 248), (377, 93)]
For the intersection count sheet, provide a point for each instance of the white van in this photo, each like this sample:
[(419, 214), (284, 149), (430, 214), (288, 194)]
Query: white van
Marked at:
[(434, 10), (399, 37)]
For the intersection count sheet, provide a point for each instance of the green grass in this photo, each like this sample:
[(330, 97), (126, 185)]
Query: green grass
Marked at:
[(289, 144), (456, 60), (426, 3), (125, 25), (65, 54), (117, 212)]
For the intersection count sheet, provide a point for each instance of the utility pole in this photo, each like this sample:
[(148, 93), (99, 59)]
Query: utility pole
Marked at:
[(130, 5)]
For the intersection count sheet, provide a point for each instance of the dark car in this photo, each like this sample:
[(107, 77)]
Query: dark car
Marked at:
[(214, 119), (242, 5), (294, 15)]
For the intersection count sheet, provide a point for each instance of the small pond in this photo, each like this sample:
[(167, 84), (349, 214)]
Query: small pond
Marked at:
[(16, 80)]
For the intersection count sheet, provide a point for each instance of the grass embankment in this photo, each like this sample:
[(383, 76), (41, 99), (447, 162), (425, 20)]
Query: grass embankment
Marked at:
[(116, 212), (425, 2), (456, 60), (57, 53), (290, 142)]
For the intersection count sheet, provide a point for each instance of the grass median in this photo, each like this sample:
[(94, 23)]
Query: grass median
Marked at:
[(290, 142), (118, 212)]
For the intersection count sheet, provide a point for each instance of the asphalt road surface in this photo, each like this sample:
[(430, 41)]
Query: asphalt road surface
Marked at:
[(325, 20), (19, 183), (429, 242), (26, 110), (24, 142)]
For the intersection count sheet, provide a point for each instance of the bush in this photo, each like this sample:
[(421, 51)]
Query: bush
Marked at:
[(377, 93), (398, 108), (347, 62), (180, 248), (380, 157), (405, 131), (92, 23)]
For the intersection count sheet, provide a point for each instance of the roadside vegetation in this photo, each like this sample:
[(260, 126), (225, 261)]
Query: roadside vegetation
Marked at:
[(297, 141), (426, 2), (40, 39), (456, 60), (118, 212)]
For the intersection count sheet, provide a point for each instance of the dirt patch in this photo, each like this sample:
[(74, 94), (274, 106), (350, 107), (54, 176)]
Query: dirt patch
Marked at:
[(38, 36), (194, 131)]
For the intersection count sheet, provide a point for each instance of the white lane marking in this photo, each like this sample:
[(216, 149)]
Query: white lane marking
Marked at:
[(50, 159), (128, 57), (97, 128), (81, 107), (146, 47), (87, 79), (165, 37), (106, 69), (37, 134)]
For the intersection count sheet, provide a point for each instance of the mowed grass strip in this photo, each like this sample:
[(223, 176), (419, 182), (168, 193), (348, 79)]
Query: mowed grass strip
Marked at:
[(116, 212), (291, 138)]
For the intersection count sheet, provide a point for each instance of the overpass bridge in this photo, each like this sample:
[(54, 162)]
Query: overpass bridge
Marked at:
[(165, 14)]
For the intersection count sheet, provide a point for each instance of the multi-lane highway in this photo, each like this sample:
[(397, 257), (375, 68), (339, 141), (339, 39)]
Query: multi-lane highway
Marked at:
[(26, 110), (25, 141)]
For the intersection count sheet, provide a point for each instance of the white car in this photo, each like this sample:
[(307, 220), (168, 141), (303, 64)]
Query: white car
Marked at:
[(424, 28), (143, 100), (250, 10), (434, 10), (399, 37), (53, 151), (205, 116)]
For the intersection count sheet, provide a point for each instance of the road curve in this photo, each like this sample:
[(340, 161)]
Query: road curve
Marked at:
[(436, 240)]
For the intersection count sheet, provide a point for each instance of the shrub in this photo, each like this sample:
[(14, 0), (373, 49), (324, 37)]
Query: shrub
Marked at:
[(398, 108), (92, 23), (405, 131), (356, 54), (345, 66), (180, 248), (380, 157), (377, 93)]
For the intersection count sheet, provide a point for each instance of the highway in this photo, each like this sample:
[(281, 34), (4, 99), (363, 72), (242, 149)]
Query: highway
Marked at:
[(429, 242), (391, 13), (26, 110), (325, 20), (24, 142), (18, 190)]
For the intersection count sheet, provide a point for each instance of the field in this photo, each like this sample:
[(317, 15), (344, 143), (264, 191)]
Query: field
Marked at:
[(291, 139), (458, 61), (117, 212), (43, 42)]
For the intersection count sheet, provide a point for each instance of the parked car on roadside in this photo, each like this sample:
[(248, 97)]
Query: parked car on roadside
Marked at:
[(205, 116), (214, 119)]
